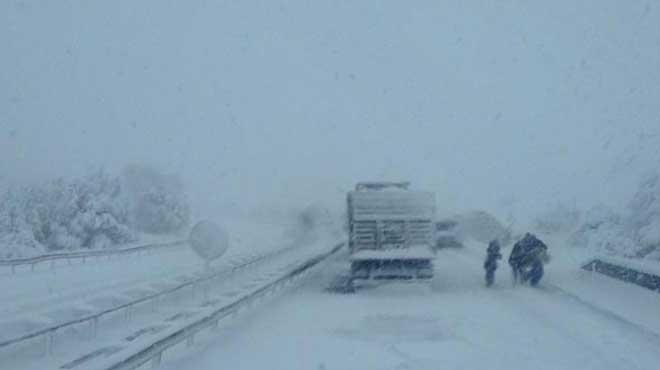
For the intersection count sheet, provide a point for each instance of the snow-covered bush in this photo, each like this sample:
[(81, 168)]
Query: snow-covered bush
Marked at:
[(636, 234), (644, 220), (604, 231), (92, 212), (158, 211), (83, 213), (159, 203), (16, 236)]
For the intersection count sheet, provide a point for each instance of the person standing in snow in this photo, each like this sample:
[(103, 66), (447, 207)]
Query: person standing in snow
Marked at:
[(527, 259), (490, 265)]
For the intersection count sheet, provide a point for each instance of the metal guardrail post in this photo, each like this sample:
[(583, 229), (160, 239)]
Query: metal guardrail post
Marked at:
[(154, 304), (50, 342), (127, 313), (94, 325), (206, 289), (157, 360)]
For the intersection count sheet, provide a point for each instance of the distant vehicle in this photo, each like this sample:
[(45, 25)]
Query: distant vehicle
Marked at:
[(446, 235), (390, 231)]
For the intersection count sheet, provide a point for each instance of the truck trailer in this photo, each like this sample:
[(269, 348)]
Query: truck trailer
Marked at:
[(390, 231)]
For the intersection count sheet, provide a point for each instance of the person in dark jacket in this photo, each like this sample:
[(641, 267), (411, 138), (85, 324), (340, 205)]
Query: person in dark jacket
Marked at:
[(527, 259), (490, 265)]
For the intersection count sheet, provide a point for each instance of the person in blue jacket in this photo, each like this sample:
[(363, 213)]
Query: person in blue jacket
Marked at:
[(527, 259), (490, 265)]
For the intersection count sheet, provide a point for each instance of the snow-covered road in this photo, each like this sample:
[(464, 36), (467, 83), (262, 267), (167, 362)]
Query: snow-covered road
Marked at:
[(46, 292), (453, 323), (27, 294), (33, 301)]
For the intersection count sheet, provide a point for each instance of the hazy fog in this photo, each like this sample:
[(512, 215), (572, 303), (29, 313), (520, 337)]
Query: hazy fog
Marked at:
[(493, 104)]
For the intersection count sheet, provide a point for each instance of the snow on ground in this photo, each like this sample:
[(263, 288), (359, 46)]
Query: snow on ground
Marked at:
[(33, 300), (625, 301), (28, 293), (119, 335), (20, 292), (452, 323)]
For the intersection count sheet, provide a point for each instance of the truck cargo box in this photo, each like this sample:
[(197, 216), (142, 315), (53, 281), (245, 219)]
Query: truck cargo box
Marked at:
[(391, 231)]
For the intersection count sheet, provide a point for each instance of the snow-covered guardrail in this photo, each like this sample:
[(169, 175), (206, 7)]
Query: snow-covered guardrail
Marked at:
[(628, 271), (154, 351), (49, 332), (85, 255)]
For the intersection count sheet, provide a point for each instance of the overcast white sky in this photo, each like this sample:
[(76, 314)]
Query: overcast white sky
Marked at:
[(489, 103)]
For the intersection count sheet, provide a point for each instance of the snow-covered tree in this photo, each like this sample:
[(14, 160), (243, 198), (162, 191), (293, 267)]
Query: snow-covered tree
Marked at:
[(16, 236), (159, 204), (604, 231), (645, 216), (635, 234), (83, 212), (95, 211)]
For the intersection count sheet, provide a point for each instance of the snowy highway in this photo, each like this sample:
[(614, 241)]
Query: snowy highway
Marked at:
[(46, 289), (46, 292), (200, 185), (573, 320), (35, 301)]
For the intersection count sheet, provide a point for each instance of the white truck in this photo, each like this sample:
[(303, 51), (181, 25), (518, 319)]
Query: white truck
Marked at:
[(390, 231)]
